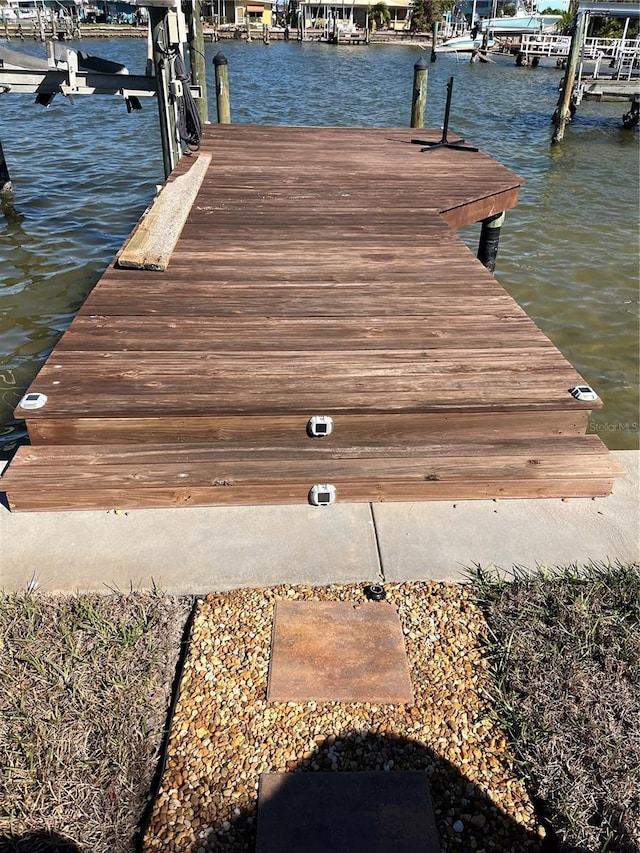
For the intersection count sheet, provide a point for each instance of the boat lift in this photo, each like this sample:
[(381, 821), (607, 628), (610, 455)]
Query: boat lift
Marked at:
[(182, 99), (624, 83), (70, 72)]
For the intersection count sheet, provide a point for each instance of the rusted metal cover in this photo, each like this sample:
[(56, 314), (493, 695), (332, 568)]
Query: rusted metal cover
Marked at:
[(359, 812), (338, 651)]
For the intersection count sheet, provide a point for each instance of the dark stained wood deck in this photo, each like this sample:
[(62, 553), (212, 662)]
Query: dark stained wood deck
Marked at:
[(318, 273)]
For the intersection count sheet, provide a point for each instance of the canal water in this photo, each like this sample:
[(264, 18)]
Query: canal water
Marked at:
[(84, 172)]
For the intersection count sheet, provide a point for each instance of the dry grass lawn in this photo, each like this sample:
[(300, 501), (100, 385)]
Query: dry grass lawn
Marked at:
[(565, 654), (85, 683)]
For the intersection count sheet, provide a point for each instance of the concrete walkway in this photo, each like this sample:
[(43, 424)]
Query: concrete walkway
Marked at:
[(197, 550)]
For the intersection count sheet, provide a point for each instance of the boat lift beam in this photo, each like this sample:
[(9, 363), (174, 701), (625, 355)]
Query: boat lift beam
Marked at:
[(25, 81)]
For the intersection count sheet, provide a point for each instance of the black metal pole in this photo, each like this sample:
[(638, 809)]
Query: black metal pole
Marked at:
[(459, 144), (447, 109)]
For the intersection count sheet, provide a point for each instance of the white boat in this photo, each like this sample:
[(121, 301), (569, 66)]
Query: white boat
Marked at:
[(522, 22), (463, 44), (14, 11)]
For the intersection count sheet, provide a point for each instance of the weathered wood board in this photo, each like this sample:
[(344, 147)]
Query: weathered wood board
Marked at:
[(152, 243)]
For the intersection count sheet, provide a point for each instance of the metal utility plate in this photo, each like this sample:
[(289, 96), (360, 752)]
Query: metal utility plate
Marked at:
[(359, 812), (338, 651)]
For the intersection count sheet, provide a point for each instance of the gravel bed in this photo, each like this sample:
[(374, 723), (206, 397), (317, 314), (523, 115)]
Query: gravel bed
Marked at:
[(224, 733)]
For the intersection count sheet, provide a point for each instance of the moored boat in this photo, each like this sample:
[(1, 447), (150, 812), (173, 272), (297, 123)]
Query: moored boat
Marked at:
[(464, 44), (521, 22)]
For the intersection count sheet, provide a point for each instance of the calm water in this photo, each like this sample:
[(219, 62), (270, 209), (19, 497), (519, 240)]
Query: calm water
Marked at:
[(84, 172)]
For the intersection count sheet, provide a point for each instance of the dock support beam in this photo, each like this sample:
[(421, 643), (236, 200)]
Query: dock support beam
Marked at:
[(419, 102), (196, 56), (223, 101), (563, 113), (434, 40), (489, 240)]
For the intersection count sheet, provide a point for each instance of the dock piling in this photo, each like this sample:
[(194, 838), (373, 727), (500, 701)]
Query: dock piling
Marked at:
[(632, 118), (563, 113), (419, 102), (196, 56), (489, 240), (434, 41), (41, 25), (223, 103), (6, 188)]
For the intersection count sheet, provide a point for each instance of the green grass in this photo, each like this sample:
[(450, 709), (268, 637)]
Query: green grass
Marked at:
[(565, 654), (85, 684)]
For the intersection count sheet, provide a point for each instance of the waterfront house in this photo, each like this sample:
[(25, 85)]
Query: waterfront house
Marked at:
[(331, 21)]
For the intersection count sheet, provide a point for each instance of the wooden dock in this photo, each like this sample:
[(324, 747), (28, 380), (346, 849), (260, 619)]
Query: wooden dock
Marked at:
[(318, 273)]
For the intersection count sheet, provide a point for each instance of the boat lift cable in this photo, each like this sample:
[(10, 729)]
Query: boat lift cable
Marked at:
[(189, 123)]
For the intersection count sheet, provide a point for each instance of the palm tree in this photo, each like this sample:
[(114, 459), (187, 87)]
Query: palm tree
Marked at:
[(379, 15), (424, 14)]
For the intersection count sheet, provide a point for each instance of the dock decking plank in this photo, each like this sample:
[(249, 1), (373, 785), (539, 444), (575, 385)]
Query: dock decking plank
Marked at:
[(181, 302), (274, 334), (129, 477), (292, 427)]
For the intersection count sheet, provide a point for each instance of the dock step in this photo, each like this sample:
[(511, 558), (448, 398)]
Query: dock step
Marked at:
[(65, 477)]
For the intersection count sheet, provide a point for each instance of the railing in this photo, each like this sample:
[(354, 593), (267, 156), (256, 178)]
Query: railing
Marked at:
[(623, 57), (545, 45), (593, 49), (628, 60)]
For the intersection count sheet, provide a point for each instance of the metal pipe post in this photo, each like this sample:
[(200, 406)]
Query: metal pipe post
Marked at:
[(166, 112), (223, 101), (447, 108), (419, 102)]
